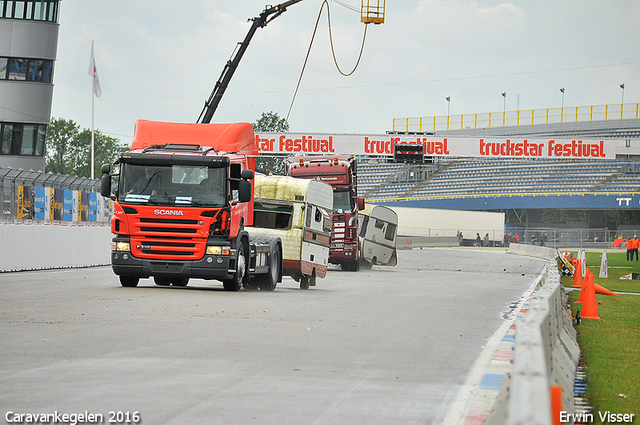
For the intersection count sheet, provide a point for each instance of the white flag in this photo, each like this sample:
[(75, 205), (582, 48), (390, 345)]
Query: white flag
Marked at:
[(93, 71)]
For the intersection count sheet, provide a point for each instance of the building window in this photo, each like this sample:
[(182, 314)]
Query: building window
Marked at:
[(27, 147), (3, 67), (30, 9), (40, 70), (18, 69), (22, 139)]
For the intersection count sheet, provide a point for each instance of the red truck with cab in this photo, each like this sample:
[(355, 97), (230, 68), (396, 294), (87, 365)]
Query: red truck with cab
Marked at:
[(339, 171), (183, 197)]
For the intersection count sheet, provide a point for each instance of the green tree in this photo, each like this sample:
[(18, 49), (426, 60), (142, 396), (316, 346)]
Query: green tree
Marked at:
[(69, 149), (271, 163), (271, 121)]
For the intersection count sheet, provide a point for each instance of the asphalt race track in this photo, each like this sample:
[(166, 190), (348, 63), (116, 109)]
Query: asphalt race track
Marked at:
[(381, 346)]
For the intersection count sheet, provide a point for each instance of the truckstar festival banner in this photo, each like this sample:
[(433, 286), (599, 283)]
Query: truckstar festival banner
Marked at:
[(329, 144)]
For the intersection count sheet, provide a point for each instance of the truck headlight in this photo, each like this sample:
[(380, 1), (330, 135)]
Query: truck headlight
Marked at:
[(120, 246), (218, 250)]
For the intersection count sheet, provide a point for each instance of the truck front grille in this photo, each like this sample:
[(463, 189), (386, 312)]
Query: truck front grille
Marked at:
[(164, 238)]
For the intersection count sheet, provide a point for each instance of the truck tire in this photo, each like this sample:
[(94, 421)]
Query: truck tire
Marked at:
[(306, 281), (161, 281), (179, 281), (352, 266), (129, 281), (268, 282), (235, 283)]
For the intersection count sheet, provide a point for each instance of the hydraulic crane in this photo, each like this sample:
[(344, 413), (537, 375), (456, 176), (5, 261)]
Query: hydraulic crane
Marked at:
[(268, 14)]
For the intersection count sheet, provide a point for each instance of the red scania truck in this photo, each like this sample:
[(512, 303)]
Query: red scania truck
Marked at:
[(182, 201), (340, 172)]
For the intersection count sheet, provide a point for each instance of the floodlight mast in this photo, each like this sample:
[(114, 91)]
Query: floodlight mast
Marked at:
[(268, 14)]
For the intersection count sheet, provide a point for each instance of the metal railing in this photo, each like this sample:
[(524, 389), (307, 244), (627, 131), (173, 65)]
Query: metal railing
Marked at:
[(30, 197), (519, 117)]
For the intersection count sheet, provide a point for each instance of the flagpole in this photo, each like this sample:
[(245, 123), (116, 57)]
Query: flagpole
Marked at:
[(93, 92)]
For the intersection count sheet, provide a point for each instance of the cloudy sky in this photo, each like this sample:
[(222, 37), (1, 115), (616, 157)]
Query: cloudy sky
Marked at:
[(160, 59)]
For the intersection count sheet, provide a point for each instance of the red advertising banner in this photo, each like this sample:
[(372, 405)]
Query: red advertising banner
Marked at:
[(489, 147)]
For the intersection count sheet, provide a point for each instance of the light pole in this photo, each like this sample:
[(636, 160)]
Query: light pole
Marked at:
[(504, 108), (448, 109), (622, 101), (562, 106)]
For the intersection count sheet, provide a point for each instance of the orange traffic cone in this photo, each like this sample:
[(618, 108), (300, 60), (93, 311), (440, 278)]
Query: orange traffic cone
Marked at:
[(577, 274), (604, 291), (556, 404), (587, 277), (589, 303)]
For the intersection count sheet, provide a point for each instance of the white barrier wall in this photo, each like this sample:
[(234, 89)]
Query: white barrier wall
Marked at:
[(35, 247), (532, 251), (545, 354)]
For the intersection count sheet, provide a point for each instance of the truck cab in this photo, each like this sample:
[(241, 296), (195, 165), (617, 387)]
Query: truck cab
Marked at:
[(183, 198)]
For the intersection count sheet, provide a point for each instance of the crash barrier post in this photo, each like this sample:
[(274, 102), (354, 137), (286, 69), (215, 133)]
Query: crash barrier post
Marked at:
[(545, 355), (38, 247)]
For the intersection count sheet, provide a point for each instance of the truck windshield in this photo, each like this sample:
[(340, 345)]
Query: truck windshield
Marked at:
[(342, 201), (172, 185)]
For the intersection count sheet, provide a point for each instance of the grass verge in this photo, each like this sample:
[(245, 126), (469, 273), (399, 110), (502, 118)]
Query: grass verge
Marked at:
[(611, 346)]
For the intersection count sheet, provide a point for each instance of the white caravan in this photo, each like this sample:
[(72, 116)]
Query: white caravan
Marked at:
[(378, 232), (299, 211)]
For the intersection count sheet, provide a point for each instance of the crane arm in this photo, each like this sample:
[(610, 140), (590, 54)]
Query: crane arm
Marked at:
[(267, 15)]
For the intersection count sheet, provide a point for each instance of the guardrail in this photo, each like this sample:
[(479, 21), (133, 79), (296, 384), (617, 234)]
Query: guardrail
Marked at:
[(545, 353), (519, 117)]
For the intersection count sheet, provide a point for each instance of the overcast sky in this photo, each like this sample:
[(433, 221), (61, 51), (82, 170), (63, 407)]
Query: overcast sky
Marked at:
[(160, 59)]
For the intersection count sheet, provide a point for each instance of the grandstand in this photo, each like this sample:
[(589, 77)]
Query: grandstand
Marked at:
[(380, 180), (463, 177)]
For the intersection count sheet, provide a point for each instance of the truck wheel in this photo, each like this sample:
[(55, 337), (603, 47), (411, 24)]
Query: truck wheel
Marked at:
[(180, 281), (364, 264), (235, 283), (269, 281), (161, 281), (129, 281), (306, 281), (353, 266)]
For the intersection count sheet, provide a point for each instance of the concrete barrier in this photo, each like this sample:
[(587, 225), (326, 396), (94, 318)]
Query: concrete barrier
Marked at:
[(545, 354), (532, 251), (36, 247)]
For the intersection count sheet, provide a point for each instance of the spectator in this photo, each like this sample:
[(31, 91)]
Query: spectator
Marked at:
[(634, 243), (543, 239)]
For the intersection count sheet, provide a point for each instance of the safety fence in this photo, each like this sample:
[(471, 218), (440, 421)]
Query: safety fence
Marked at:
[(33, 197), (518, 117), (568, 238)]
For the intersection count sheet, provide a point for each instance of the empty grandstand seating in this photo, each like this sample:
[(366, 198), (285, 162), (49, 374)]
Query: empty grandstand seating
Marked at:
[(460, 177)]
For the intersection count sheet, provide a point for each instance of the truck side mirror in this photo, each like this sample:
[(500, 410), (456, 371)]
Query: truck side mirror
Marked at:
[(360, 202), (105, 186), (244, 191), (105, 181), (247, 174)]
